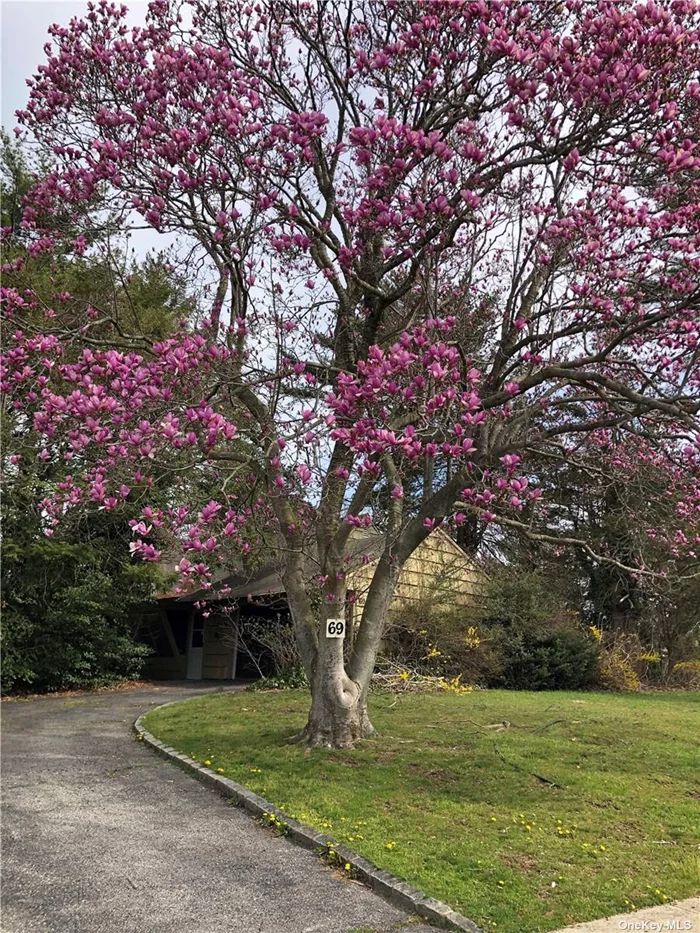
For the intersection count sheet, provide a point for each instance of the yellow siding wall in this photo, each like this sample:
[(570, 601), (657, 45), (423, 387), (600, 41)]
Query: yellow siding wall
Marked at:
[(437, 570)]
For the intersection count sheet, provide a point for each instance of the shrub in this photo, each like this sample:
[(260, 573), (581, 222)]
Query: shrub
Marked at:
[(531, 599), (564, 658), (513, 655), (288, 679), (75, 646), (617, 673), (524, 635), (686, 674), (529, 618), (439, 642), (66, 618), (622, 659)]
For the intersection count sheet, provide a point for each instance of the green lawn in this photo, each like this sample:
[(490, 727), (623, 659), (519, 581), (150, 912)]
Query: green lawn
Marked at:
[(453, 807)]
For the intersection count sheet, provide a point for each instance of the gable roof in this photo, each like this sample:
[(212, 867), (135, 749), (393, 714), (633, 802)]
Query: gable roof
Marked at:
[(267, 581)]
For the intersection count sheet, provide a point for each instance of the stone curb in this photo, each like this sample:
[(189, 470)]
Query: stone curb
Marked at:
[(388, 886)]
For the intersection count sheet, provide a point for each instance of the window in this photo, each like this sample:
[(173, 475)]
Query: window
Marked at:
[(198, 632)]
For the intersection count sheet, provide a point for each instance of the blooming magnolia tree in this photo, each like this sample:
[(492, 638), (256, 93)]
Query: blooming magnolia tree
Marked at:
[(447, 242)]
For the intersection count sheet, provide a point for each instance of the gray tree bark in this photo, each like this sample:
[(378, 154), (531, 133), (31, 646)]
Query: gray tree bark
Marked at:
[(339, 716)]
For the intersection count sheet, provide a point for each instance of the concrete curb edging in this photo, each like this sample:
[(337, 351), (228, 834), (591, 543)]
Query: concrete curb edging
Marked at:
[(397, 892)]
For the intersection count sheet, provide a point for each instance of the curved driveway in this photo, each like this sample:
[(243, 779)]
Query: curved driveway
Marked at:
[(102, 836)]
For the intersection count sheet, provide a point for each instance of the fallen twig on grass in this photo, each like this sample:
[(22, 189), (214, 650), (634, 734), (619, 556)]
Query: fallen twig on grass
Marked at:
[(512, 764), (497, 726), (549, 724)]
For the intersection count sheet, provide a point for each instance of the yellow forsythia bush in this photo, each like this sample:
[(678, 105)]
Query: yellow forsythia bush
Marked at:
[(686, 674), (618, 660), (617, 673)]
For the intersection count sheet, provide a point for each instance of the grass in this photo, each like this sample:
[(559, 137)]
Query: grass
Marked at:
[(454, 807)]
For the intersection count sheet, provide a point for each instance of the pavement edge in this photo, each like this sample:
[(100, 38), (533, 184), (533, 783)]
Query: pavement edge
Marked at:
[(397, 892)]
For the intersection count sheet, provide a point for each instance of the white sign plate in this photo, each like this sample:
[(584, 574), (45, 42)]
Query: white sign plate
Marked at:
[(335, 628)]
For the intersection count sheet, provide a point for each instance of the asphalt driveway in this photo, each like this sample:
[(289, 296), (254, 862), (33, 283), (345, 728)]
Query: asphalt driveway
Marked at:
[(102, 836)]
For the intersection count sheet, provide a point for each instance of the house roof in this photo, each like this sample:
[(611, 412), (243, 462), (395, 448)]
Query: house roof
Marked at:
[(267, 581), (364, 546)]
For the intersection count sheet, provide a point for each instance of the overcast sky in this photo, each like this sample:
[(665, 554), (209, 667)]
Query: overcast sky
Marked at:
[(25, 24)]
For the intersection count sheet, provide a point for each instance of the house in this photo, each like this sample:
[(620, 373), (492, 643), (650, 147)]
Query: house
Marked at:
[(194, 641)]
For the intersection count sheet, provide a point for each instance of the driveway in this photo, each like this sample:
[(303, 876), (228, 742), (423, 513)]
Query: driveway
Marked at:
[(102, 836)]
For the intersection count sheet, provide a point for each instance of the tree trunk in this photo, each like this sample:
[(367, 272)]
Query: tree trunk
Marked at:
[(332, 723), (338, 715)]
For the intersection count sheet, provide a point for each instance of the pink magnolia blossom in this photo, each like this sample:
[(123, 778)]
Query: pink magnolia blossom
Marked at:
[(445, 295)]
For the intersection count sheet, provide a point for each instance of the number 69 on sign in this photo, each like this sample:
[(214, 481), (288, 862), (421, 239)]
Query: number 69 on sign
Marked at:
[(335, 628)]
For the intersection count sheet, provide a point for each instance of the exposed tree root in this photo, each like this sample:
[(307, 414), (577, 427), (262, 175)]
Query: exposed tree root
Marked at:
[(341, 732)]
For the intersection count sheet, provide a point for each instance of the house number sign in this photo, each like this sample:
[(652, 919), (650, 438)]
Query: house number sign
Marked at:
[(335, 628)]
